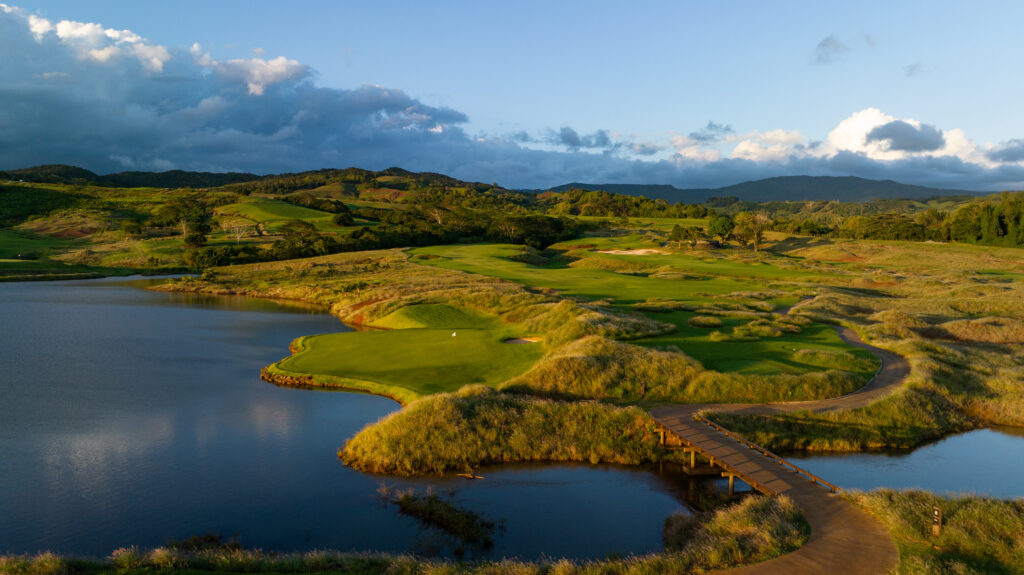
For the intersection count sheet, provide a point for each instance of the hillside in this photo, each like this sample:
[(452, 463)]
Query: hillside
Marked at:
[(800, 188)]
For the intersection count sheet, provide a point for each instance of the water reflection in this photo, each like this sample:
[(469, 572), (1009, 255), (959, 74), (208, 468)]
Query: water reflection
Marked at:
[(983, 461), (138, 417)]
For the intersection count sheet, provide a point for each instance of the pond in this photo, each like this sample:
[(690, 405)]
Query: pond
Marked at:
[(983, 462), (135, 417)]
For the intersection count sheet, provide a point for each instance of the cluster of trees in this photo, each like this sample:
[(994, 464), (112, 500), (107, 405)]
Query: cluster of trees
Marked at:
[(398, 228), (991, 222), (189, 214), (747, 228), (308, 200), (578, 202)]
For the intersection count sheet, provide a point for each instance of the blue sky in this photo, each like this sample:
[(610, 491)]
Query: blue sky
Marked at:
[(529, 94)]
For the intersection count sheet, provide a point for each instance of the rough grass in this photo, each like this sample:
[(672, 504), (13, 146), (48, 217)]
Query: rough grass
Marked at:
[(476, 426), (758, 526), (598, 367), (979, 534), (704, 321)]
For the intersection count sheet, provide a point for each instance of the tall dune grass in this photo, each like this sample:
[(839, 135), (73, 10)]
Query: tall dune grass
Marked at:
[(477, 425)]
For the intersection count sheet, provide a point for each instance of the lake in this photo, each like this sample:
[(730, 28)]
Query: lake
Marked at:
[(983, 462), (134, 417)]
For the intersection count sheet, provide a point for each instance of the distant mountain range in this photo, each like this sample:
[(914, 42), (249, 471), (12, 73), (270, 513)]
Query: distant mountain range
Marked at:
[(795, 188), (61, 174)]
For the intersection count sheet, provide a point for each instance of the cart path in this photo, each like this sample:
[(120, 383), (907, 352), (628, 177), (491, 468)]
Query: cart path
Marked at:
[(844, 538)]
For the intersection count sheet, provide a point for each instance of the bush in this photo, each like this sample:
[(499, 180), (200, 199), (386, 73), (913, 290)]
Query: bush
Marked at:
[(127, 558), (704, 321)]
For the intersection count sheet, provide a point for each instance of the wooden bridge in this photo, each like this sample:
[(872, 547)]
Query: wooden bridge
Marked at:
[(844, 539)]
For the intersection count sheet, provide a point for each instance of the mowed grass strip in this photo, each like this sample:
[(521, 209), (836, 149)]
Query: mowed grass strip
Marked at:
[(493, 260), (273, 213), (422, 358), (766, 355)]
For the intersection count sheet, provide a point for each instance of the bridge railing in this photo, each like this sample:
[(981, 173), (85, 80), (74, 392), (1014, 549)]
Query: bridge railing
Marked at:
[(739, 438), (715, 461)]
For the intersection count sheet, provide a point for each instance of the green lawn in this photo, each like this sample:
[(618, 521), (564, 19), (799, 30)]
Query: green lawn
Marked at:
[(765, 356), (423, 357), (493, 260), (273, 213), (14, 242)]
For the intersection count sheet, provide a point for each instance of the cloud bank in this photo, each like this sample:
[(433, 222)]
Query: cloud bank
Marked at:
[(112, 100)]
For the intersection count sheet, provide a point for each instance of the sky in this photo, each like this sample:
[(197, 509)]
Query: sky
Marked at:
[(526, 94)]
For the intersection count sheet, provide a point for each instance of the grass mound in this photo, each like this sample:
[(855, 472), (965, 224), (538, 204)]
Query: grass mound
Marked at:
[(598, 367), (979, 534), (757, 527), (477, 426), (704, 321), (434, 315)]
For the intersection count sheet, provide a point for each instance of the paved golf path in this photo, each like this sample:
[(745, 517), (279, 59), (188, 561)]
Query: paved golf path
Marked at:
[(844, 539)]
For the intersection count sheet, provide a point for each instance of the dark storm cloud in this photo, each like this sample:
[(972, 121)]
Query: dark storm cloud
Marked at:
[(829, 50), (711, 133), (906, 137), (1012, 151), (571, 139)]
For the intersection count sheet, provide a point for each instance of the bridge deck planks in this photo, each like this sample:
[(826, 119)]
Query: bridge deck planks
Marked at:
[(844, 539)]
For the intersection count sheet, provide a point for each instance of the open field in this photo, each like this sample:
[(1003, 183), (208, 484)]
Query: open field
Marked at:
[(273, 213), (593, 282)]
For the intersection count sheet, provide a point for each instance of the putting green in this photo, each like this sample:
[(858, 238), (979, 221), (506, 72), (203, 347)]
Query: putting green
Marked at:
[(422, 361), (435, 348)]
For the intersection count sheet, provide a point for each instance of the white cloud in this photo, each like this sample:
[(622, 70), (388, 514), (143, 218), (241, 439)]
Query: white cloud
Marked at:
[(851, 135), (258, 73), (771, 146), (39, 27), (687, 149), (152, 57)]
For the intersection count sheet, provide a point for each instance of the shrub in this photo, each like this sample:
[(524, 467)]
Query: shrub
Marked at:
[(704, 321), (126, 558)]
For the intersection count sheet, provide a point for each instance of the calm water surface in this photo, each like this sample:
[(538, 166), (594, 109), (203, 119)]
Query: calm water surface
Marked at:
[(984, 462), (135, 417)]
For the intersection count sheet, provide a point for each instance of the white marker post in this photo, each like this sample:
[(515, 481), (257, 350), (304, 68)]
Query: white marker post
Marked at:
[(454, 341)]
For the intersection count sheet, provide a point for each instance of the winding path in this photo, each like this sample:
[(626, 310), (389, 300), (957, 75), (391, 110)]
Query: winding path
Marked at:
[(844, 539)]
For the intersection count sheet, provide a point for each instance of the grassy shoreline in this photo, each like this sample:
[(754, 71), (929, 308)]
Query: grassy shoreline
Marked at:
[(752, 530), (979, 535)]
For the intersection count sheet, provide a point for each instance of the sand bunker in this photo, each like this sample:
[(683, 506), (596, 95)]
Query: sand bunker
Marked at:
[(641, 252), (518, 340)]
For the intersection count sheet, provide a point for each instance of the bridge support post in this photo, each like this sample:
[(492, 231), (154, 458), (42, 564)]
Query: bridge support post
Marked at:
[(732, 482)]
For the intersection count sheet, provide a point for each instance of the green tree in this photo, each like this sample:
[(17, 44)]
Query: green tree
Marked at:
[(750, 228), (721, 227), (677, 236)]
